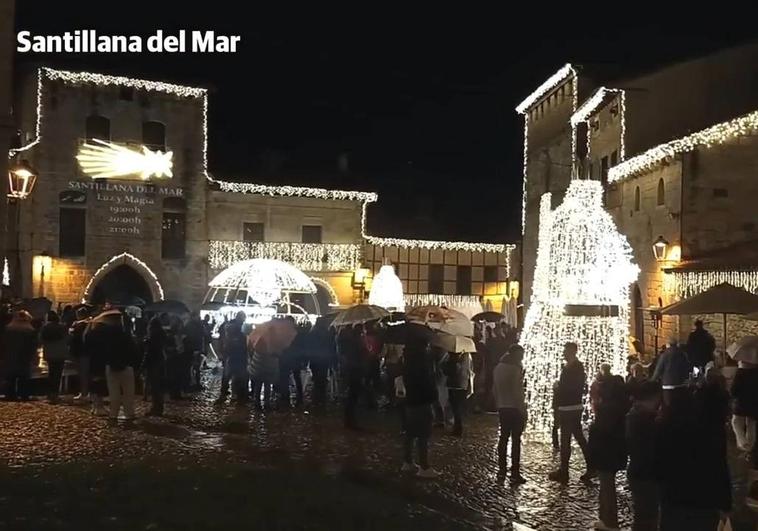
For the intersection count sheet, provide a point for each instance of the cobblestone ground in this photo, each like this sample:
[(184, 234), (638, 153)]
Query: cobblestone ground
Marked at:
[(54, 452)]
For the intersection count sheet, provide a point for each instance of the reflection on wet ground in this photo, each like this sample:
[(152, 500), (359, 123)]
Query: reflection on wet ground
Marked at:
[(199, 431)]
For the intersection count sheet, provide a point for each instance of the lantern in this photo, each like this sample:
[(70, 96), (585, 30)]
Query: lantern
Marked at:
[(21, 180)]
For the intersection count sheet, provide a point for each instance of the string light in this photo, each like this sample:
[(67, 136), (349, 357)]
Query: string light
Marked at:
[(553, 81), (237, 187), (690, 283), (469, 303), (6, 273), (711, 136), (123, 258), (262, 274), (304, 256), (387, 290), (591, 105), (582, 259), (334, 299)]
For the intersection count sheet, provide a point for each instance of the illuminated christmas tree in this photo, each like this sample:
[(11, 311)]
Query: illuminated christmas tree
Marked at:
[(581, 294)]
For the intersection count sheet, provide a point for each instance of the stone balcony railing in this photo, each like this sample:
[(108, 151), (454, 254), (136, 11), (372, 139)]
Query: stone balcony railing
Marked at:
[(304, 256)]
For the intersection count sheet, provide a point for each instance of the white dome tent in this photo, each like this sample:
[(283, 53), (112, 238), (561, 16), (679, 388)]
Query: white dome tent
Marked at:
[(263, 289), (387, 290)]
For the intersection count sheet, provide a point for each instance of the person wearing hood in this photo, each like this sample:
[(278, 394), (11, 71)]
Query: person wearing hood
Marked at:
[(54, 339), (20, 347), (508, 390)]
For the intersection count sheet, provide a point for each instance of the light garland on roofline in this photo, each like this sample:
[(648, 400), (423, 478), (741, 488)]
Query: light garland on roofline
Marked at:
[(690, 283), (550, 83), (583, 113), (120, 81), (297, 191), (435, 244), (714, 135), (582, 259), (304, 256), (455, 302), (524, 174), (124, 258)]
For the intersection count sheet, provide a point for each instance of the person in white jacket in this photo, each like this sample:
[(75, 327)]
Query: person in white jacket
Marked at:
[(508, 390)]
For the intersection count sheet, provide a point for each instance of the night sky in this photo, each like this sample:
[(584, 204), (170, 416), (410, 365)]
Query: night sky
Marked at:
[(420, 102)]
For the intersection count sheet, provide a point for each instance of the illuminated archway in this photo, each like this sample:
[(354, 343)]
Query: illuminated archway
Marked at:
[(325, 290), (129, 260)]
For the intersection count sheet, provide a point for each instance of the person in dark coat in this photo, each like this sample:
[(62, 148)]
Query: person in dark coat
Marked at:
[(700, 346), (291, 363), (320, 352), (695, 486), (744, 421), (20, 348), (120, 361), (78, 353), (420, 383), (54, 339), (154, 365), (235, 354), (606, 445), (194, 339), (457, 369), (98, 339), (570, 402), (642, 435), (673, 371), (353, 365)]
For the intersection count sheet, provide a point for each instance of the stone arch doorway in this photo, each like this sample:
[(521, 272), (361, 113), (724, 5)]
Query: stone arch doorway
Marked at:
[(325, 295), (123, 278)]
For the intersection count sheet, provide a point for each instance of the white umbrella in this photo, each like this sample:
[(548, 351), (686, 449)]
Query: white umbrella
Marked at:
[(746, 349), (454, 343)]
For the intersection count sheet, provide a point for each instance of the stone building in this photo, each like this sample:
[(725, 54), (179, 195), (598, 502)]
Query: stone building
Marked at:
[(110, 218), (675, 152), (6, 86)]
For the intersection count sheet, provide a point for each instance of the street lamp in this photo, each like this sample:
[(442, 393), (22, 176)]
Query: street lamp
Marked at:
[(359, 281), (21, 180), (660, 248)]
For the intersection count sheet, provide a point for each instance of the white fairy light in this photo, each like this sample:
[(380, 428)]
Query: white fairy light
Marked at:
[(466, 304), (296, 191), (262, 274), (711, 136), (6, 273), (120, 81), (387, 290), (320, 282), (123, 258), (550, 83), (304, 256), (582, 260), (524, 173), (436, 244), (690, 283), (591, 105)]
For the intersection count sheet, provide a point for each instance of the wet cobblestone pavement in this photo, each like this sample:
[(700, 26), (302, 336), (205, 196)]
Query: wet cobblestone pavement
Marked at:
[(60, 453)]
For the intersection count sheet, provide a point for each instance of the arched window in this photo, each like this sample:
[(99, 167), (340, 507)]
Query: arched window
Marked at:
[(174, 228), (637, 199), (154, 135), (661, 193), (97, 127)]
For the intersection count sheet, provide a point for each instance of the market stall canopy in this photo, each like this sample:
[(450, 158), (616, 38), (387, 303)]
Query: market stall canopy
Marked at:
[(361, 313), (724, 299)]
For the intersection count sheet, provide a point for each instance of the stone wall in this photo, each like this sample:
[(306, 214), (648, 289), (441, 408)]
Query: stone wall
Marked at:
[(110, 230)]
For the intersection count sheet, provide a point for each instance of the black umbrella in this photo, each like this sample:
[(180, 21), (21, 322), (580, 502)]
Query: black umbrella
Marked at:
[(167, 306), (489, 317), (127, 300)]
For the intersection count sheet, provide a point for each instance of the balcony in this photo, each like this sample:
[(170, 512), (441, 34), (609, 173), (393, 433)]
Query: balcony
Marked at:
[(304, 256)]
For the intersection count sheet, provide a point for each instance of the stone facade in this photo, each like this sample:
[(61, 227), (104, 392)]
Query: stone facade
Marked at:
[(129, 224), (6, 83)]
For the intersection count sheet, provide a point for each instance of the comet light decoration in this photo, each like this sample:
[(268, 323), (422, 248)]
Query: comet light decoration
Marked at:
[(583, 261), (387, 290), (106, 160)]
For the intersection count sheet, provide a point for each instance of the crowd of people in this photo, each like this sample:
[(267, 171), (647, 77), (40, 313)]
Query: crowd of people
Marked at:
[(110, 350), (665, 423)]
